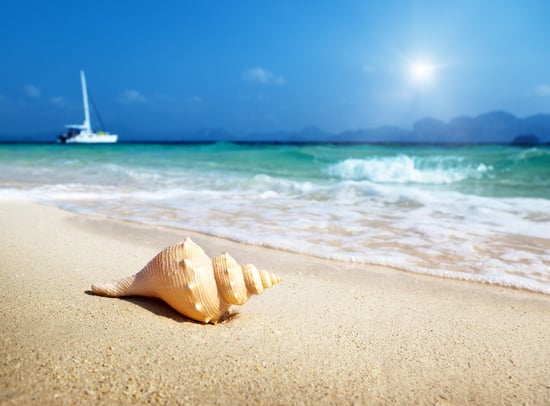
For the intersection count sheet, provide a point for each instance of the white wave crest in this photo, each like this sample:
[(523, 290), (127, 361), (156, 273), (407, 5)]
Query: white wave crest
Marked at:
[(405, 169)]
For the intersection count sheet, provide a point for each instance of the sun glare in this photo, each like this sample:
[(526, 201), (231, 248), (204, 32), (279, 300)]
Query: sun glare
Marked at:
[(421, 72)]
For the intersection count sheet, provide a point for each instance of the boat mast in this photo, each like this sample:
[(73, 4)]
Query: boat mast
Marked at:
[(87, 125)]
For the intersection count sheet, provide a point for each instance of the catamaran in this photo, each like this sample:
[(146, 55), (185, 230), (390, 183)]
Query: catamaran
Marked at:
[(83, 133)]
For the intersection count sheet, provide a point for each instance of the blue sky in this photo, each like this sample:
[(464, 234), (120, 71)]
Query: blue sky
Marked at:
[(156, 67)]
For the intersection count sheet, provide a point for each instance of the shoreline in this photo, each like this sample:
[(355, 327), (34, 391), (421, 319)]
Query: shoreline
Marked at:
[(331, 332), (352, 267)]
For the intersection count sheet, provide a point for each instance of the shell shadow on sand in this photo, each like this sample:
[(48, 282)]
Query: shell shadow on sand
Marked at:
[(160, 308)]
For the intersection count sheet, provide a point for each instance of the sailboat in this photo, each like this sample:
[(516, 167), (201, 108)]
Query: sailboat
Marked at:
[(83, 133)]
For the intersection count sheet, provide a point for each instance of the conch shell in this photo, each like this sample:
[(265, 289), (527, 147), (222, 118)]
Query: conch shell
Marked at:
[(196, 286)]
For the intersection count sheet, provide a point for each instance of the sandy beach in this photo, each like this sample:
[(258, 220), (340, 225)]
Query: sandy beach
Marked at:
[(330, 333)]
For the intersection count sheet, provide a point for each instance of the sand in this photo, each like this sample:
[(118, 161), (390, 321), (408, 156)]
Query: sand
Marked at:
[(331, 333)]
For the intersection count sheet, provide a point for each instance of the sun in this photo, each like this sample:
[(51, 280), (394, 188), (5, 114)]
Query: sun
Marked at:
[(421, 72)]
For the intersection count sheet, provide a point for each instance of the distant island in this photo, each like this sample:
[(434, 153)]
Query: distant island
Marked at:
[(497, 127), (493, 127)]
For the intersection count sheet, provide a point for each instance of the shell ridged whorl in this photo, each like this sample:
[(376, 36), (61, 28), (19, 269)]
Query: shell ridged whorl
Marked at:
[(196, 286)]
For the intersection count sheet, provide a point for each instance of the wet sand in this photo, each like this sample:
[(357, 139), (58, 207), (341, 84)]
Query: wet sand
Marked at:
[(330, 333)]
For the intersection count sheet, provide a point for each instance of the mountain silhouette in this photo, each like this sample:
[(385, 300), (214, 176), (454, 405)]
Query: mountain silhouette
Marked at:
[(498, 127)]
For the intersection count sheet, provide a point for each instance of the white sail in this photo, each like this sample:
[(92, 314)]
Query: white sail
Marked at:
[(87, 124)]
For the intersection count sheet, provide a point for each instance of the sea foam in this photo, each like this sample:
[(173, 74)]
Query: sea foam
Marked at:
[(445, 212)]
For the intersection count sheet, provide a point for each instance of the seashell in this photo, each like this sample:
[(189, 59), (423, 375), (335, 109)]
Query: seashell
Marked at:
[(196, 286)]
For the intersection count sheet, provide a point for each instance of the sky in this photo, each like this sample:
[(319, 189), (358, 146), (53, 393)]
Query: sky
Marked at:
[(159, 67)]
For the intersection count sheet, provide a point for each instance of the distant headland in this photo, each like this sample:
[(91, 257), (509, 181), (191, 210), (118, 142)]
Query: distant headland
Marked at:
[(496, 127)]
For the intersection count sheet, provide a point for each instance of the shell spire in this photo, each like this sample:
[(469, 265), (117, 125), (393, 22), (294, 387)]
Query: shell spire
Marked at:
[(196, 286)]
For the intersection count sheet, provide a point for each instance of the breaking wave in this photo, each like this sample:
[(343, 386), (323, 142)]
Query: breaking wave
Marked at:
[(406, 169)]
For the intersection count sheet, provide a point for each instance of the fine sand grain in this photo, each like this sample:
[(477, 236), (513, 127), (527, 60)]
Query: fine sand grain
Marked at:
[(330, 333)]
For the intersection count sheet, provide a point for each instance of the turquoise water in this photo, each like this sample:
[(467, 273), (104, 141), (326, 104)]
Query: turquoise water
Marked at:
[(479, 213)]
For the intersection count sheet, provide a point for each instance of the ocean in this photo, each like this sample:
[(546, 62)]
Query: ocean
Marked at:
[(478, 213)]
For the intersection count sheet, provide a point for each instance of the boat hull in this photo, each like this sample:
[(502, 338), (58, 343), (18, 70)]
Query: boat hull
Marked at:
[(92, 139)]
